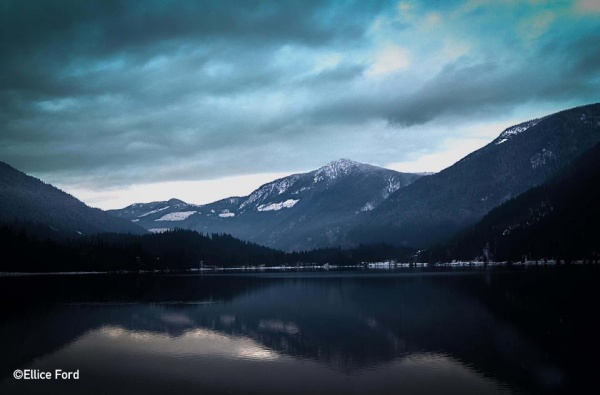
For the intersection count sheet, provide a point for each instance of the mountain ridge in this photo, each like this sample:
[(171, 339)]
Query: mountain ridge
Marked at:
[(555, 220), (307, 204), (416, 212), (28, 200), (521, 157)]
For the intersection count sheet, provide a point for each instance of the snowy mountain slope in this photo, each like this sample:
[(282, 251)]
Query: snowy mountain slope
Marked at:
[(347, 203), (301, 211)]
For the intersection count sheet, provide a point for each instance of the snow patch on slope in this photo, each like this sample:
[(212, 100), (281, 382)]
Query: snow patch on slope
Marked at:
[(278, 206), (179, 216), (392, 186), (153, 212), (368, 207), (276, 187), (158, 230), (300, 190), (226, 214), (514, 130)]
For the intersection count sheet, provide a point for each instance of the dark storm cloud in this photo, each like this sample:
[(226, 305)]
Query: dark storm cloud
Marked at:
[(51, 33), (559, 71), (43, 44), (121, 92)]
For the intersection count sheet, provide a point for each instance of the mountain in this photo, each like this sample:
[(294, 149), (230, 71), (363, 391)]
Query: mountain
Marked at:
[(298, 212), (167, 211), (433, 208), (346, 203), (29, 201), (558, 219)]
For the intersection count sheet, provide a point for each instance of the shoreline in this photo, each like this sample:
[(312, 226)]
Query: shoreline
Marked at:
[(375, 266)]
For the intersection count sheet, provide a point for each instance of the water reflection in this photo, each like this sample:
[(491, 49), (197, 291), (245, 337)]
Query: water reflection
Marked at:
[(206, 359), (473, 333), (192, 343)]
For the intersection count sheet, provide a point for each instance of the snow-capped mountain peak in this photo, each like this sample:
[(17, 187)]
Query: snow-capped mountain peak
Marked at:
[(335, 169), (308, 203)]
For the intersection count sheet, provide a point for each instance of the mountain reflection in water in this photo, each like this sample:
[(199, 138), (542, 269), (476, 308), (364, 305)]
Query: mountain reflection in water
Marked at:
[(482, 332)]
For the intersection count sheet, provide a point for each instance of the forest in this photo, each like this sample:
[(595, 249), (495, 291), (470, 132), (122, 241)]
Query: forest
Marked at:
[(30, 248)]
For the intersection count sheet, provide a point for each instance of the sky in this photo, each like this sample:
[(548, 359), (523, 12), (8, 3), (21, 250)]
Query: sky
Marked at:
[(119, 102)]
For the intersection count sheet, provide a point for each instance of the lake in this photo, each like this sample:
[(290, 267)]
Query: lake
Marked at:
[(455, 331)]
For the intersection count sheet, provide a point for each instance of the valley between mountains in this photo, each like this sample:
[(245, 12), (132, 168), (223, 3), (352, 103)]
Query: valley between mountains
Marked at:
[(346, 203), (505, 201)]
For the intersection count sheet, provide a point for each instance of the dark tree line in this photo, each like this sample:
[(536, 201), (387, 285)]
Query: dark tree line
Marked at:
[(30, 248)]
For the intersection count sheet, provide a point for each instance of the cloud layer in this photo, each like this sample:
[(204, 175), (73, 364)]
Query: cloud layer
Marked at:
[(109, 94)]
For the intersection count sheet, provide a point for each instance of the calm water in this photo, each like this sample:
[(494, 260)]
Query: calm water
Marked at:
[(526, 331)]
